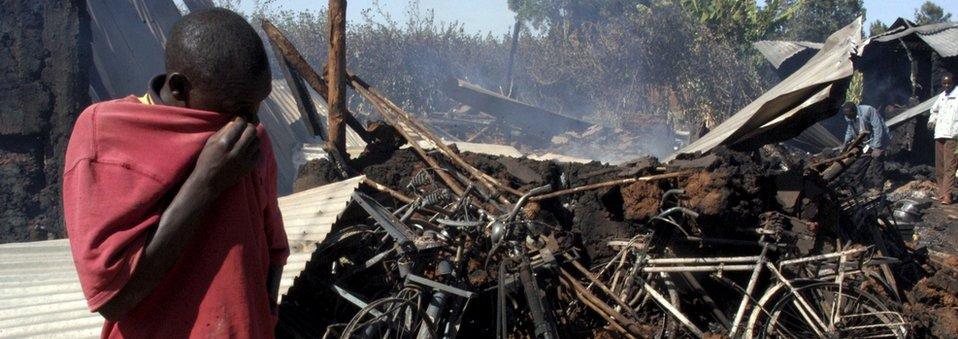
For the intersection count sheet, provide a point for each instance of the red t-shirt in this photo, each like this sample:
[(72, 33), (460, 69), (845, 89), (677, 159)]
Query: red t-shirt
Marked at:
[(125, 162)]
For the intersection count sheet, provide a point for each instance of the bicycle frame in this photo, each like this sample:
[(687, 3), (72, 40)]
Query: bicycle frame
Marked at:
[(755, 264)]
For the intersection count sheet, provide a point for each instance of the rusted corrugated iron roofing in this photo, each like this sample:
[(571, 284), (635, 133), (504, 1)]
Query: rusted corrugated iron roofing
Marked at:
[(777, 51)]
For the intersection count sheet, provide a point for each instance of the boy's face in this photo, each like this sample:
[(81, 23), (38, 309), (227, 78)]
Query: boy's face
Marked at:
[(243, 101), (243, 98)]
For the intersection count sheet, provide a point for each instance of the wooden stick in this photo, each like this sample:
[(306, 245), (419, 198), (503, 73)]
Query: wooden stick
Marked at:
[(301, 96), (391, 192), (483, 178), (304, 70), (392, 120), (618, 182), (474, 136)]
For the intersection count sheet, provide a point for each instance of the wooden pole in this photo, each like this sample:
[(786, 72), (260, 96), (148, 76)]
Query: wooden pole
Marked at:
[(337, 77), (298, 63)]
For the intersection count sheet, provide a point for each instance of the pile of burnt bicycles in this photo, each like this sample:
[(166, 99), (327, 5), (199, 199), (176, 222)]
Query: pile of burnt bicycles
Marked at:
[(448, 266)]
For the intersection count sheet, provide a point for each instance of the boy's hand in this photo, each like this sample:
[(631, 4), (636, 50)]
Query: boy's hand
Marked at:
[(229, 154)]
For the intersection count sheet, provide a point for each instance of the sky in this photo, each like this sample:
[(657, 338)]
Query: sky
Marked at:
[(493, 16)]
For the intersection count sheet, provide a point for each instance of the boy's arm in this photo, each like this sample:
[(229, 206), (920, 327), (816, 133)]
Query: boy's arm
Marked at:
[(229, 154)]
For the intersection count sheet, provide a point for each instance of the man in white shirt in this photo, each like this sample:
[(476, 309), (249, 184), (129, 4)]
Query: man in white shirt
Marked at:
[(944, 121)]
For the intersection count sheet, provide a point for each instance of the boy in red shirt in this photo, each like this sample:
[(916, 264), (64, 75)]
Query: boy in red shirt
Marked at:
[(170, 198)]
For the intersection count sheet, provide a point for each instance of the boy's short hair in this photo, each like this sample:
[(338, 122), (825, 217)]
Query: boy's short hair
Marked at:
[(217, 49)]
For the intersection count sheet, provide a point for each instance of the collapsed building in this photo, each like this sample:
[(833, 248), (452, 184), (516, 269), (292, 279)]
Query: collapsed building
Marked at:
[(416, 235)]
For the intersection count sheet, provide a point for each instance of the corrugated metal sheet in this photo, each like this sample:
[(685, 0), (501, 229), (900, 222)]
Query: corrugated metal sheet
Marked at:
[(804, 88), (40, 295), (559, 158), (127, 44), (490, 149), (777, 51), (912, 112), (942, 37), (816, 139), (308, 217), (287, 130)]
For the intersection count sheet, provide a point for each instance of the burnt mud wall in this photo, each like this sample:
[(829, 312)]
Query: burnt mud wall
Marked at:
[(44, 50)]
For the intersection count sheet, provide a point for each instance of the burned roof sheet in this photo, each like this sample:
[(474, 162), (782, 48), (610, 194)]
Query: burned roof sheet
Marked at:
[(531, 119), (912, 112), (941, 37), (786, 109), (777, 51)]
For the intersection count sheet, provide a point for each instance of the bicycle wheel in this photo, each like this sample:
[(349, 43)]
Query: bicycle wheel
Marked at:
[(393, 317), (828, 310)]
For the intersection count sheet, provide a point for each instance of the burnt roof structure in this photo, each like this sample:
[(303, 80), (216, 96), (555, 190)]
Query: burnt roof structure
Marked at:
[(904, 64), (798, 102), (787, 56)]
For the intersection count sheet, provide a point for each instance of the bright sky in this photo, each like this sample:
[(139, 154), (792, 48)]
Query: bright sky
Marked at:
[(494, 16)]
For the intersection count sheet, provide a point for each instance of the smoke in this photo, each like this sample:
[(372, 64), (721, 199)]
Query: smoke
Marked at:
[(614, 72)]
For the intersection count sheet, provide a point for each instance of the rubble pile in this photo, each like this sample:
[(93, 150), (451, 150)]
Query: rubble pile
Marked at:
[(934, 301), (575, 245), (747, 241)]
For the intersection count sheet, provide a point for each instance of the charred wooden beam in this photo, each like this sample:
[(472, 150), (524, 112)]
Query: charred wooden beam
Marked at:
[(303, 102), (304, 70), (393, 110)]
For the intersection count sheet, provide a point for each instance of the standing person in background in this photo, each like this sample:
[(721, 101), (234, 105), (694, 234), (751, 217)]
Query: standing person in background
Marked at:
[(864, 118), (944, 113)]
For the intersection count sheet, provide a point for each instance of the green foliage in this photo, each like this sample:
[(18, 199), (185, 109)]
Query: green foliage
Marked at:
[(567, 14), (815, 20), (931, 13), (855, 88), (877, 27), (741, 21)]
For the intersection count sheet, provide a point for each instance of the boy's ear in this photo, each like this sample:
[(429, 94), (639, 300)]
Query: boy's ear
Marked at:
[(179, 86)]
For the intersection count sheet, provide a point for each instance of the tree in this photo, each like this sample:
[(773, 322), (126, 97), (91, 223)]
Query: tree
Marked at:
[(877, 27), (816, 20), (742, 22), (567, 15), (931, 13)]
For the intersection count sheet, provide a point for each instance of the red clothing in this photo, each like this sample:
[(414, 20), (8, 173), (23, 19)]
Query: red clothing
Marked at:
[(125, 162)]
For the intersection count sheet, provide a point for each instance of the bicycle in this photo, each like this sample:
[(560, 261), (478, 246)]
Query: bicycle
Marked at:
[(815, 301)]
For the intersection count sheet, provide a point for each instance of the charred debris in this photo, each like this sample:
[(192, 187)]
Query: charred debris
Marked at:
[(739, 237)]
